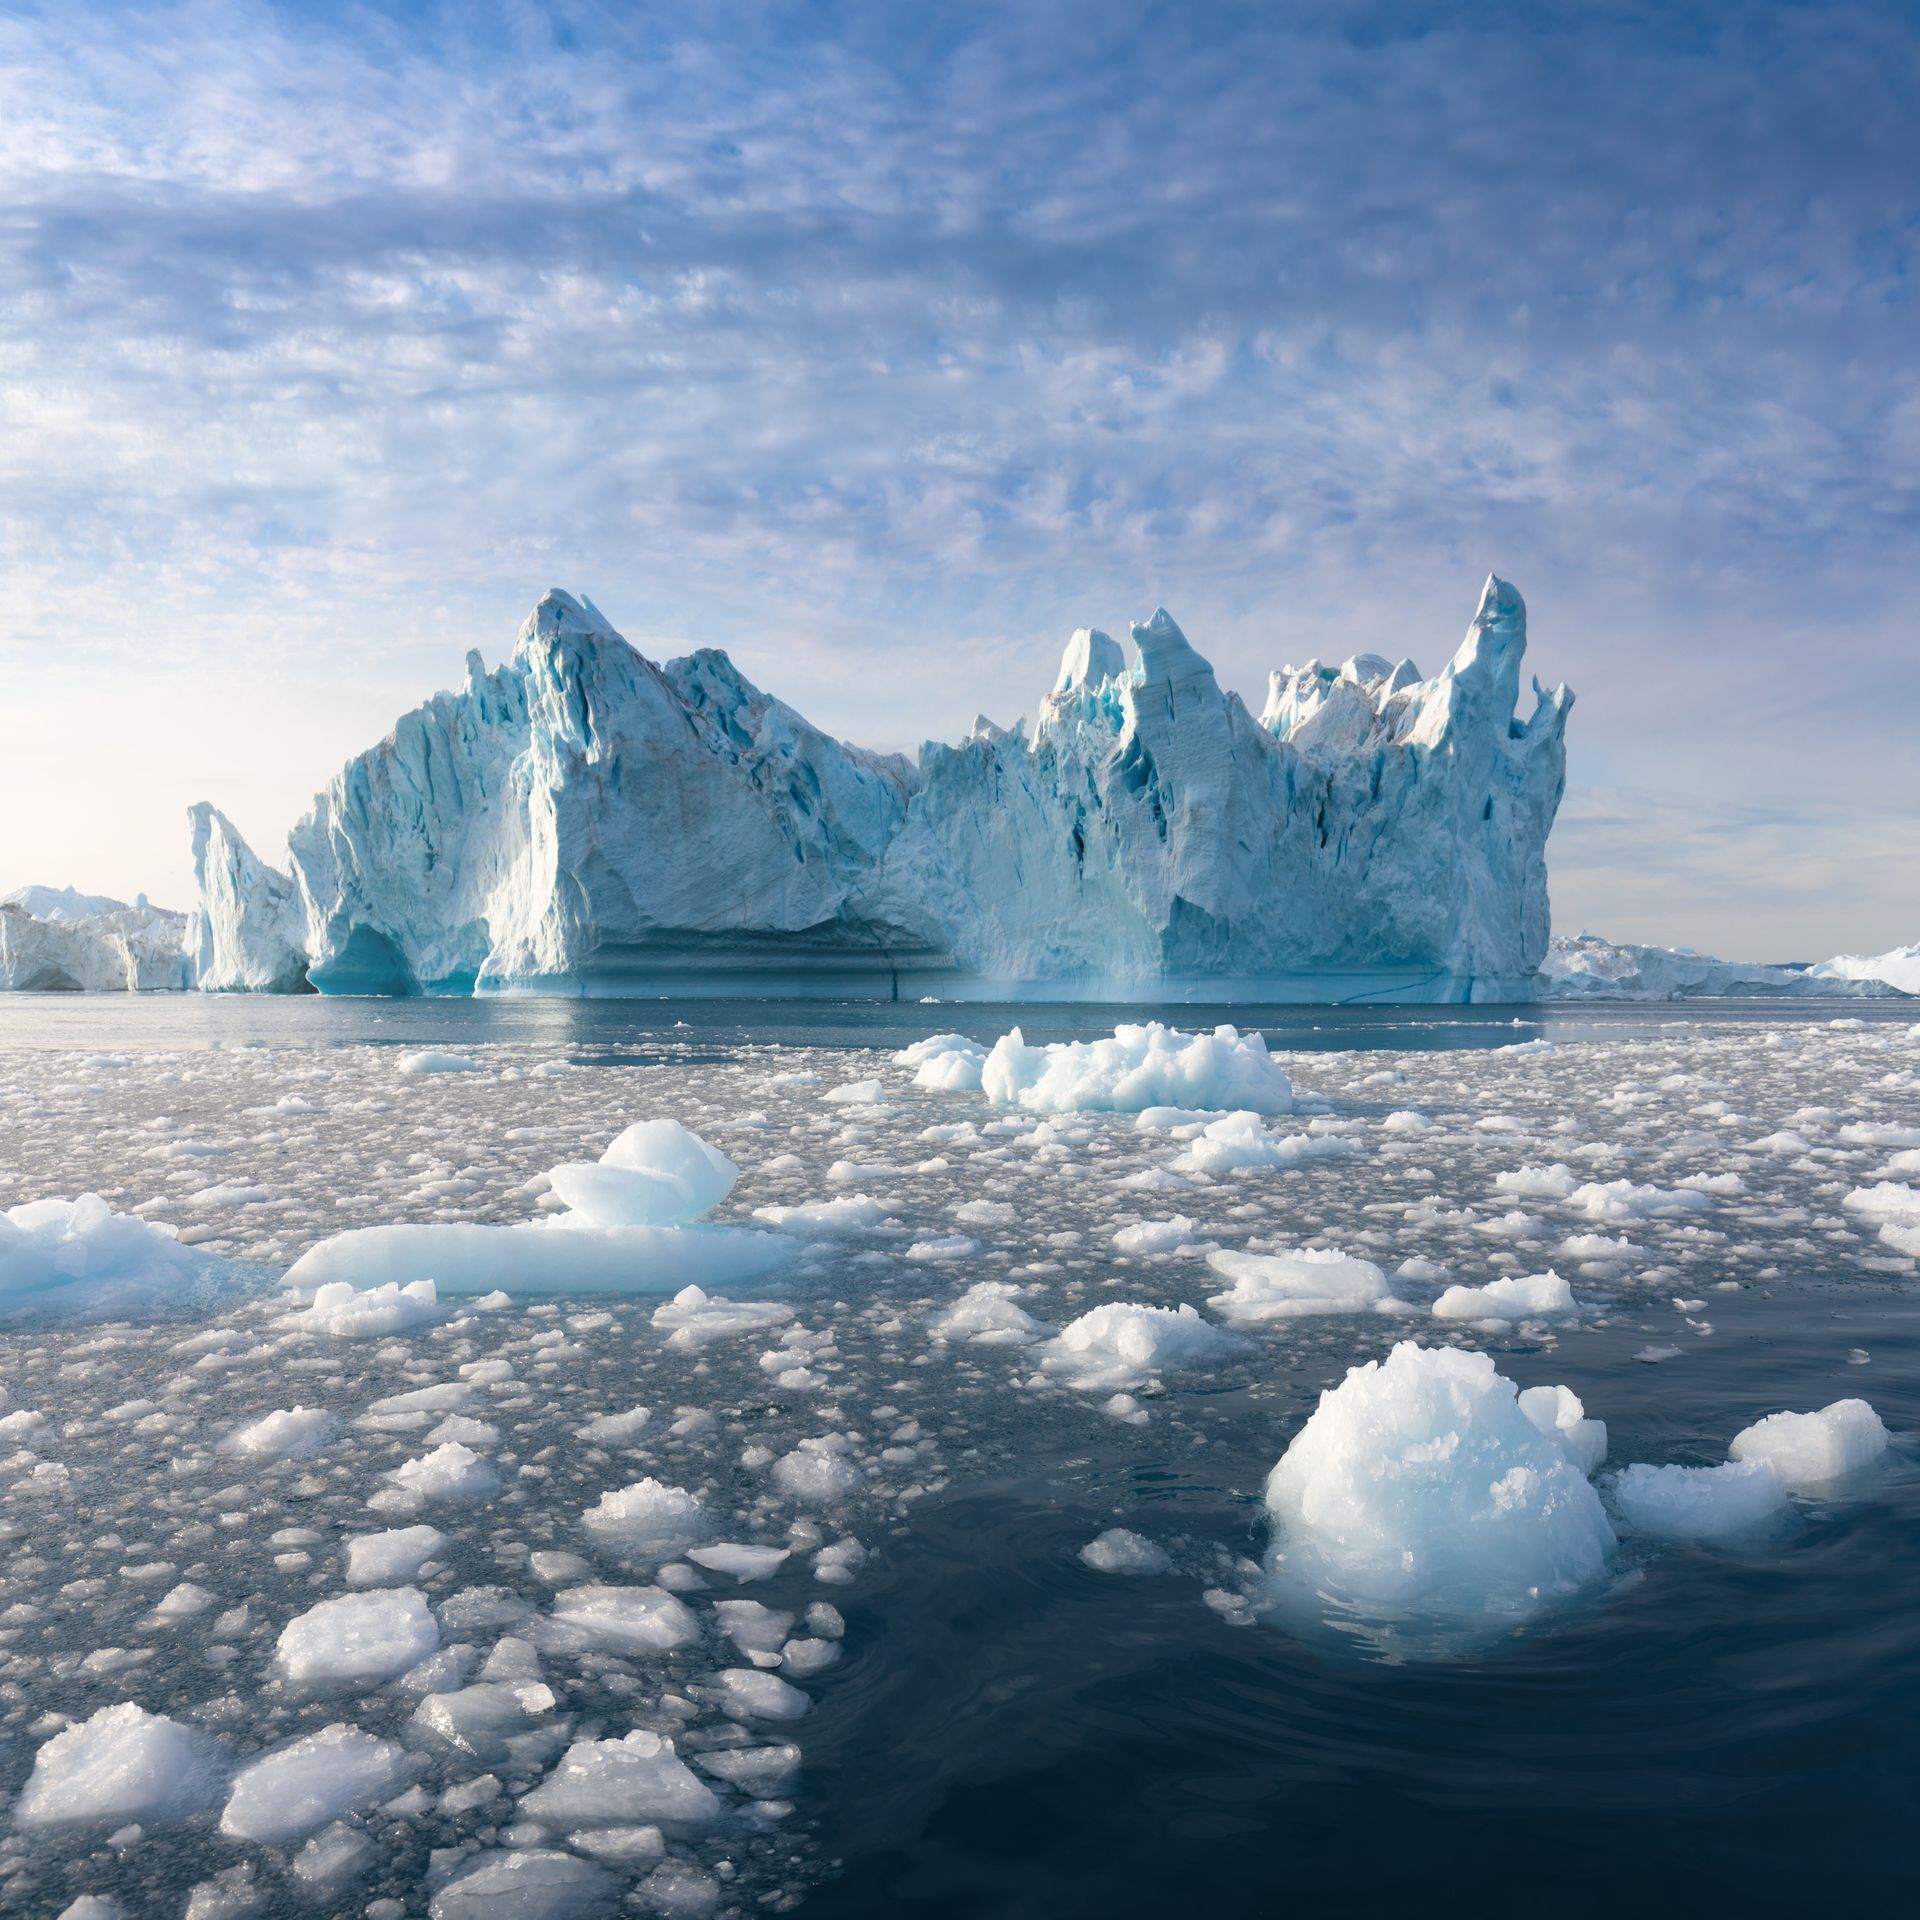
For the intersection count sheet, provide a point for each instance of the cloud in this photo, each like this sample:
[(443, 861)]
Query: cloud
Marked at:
[(883, 350)]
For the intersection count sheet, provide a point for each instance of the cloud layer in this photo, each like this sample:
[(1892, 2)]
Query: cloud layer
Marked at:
[(882, 350)]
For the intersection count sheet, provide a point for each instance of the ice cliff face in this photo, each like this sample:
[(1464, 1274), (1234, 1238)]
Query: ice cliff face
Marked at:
[(54, 940), (583, 820)]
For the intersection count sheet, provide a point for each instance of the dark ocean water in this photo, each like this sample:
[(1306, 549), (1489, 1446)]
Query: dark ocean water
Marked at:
[(1720, 1731)]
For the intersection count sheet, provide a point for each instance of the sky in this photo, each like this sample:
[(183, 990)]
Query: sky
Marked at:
[(882, 345)]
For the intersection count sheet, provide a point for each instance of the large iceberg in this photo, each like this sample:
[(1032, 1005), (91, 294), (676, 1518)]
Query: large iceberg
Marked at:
[(58, 940), (581, 820)]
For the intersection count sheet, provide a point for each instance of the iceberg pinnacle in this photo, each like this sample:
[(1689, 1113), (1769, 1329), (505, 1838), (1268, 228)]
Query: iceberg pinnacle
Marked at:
[(583, 820)]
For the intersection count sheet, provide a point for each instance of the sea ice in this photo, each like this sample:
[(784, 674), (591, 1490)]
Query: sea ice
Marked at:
[(529, 1883), (121, 1764), (1119, 1551), (1557, 1412), (628, 1229), (315, 1779), (1122, 1343), (79, 1258), (288, 1434), (1139, 1067), (1513, 1297), (621, 1782), (1286, 1286), (1698, 1503), (358, 1637), (648, 1518), (1420, 1490), (393, 1557), (988, 1315), (620, 1620), (1809, 1449), (695, 1319)]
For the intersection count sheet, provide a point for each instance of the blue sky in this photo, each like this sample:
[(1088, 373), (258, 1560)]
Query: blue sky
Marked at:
[(882, 345)]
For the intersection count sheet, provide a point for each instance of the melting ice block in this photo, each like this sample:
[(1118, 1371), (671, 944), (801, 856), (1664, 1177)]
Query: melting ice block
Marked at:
[(632, 1226), (1809, 1449), (122, 1764), (1138, 1068), (1420, 1494), (81, 1259)]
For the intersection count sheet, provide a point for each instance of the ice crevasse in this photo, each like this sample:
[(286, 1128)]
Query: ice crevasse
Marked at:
[(557, 824)]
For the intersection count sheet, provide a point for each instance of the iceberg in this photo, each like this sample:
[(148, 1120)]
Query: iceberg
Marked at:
[(1586, 967), (558, 825), (57, 940)]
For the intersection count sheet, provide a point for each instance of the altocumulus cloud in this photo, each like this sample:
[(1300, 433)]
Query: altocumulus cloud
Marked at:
[(881, 349)]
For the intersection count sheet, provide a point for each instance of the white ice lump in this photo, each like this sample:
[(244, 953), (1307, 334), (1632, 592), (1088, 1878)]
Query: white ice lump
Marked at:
[(1420, 1485), (1139, 1067)]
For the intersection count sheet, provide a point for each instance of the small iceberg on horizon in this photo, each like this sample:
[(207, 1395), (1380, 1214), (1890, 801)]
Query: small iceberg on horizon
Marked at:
[(635, 1224)]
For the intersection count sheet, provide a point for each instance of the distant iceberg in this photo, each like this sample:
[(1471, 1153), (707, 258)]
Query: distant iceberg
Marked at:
[(1586, 967), (583, 821), (58, 940)]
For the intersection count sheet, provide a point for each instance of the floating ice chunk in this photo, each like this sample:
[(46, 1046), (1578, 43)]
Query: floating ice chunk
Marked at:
[(1557, 1412), (1140, 1066), (1118, 1551), (622, 1782), (1156, 1236), (819, 1470), (1556, 1182), (1238, 1140), (1616, 1201), (1419, 1491), (483, 1719), (610, 1429), (936, 1046), (1809, 1449), (1896, 1206), (946, 1246), (1514, 1297), (648, 1517), (329, 1858), (987, 1315), (1699, 1503), (290, 1434), (1286, 1286), (847, 1213), (621, 1620), (451, 1471), (762, 1773), (542, 1258), (857, 1093), (182, 1602), (431, 1061), (315, 1779), (747, 1693), (341, 1309), (121, 1764), (1121, 1343), (80, 1259), (676, 1177), (742, 1561), (358, 1637), (954, 1069), (393, 1557), (751, 1627), (696, 1319), (530, 1883)]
